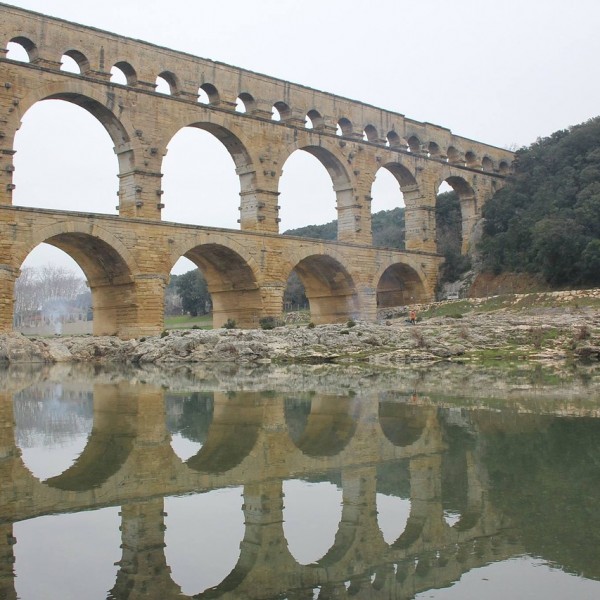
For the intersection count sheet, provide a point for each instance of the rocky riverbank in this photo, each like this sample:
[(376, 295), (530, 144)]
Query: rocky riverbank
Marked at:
[(561, 330)]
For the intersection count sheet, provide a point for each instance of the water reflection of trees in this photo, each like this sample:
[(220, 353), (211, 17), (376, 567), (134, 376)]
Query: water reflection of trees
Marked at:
[(190, 414), (546, 478)]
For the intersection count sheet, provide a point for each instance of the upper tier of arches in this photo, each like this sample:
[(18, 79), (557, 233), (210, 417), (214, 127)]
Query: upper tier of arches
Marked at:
[(51, 43)]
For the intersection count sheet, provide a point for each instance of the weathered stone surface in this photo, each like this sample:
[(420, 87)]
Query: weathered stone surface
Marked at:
[(540, 335)]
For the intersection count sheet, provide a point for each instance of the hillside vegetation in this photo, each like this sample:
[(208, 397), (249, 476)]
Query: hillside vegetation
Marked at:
[(547, 218)]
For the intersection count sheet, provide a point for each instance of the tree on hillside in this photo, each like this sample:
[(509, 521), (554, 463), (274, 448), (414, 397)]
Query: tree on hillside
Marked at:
[(547, 218)]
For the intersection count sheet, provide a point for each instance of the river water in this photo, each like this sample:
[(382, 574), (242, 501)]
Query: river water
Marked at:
[(297, 483)]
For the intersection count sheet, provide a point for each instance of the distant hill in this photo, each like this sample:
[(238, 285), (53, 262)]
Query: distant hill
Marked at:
[(387, 226)]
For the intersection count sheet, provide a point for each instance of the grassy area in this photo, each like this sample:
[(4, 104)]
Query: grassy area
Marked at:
[(188, 322)]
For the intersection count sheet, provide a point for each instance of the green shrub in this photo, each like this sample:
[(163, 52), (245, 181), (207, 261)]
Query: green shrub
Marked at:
[(351, 323), (269, 322), (230, 324), (311, 325)]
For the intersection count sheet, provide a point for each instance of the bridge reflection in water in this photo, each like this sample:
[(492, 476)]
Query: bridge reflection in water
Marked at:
[(198, 489)]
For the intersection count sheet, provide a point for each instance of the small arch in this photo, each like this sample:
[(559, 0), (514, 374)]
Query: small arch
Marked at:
[(471, 159), (167, 83), (245, 103), (313, 120), (394, 139), (123, 73), (74, 61), (345, 127), (281, 111), (503, 167), (414, 144), (487, 164), (21, 49), (370, 133), (454, 155), (208, 94), (433, 149), (399, 285)]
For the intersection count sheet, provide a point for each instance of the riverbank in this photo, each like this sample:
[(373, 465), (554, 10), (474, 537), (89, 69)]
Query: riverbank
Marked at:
[(556, 329)]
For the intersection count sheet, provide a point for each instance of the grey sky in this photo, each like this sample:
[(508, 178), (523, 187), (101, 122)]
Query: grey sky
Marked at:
[(503, 73)]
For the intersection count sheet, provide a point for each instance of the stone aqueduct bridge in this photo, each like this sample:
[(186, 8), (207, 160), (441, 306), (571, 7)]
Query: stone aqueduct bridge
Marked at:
[(127, 258), (129, 462)]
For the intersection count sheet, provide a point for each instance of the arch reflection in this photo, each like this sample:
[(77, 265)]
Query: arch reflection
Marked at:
[(427, 462)]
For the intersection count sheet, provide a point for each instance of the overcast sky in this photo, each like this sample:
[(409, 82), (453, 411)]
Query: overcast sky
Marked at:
[(504, 73)]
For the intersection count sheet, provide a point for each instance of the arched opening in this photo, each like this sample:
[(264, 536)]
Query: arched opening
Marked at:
[(345, 127), (231, 434), (471, 160), (53, 423), (456, 214), (188, 302), (44, 542), (414, 144), (394, 140), (487, 164), (109, 279), (311, 518), (306, 197), (398, 286), (21, 49), (402, 424), (370, 134), (281, 112), (65, 158), (51, 295), (189, 417), (203, 537), (245, 103), (323, 426), (231, 283), (74, 61), (199, 181), (503, 167), (123, 73), (434, 149), (387, 207), (329, 288), (313, 120), (454, 156), (393, 499), (167, 83), (208, 94)]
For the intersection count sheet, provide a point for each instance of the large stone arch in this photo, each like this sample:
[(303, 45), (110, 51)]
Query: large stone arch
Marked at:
[(91, 98), (232, 434), (321, 427), (329, 286), (232, 277), (233, 139), (469, 205), (109, 445), (399, 284), (108, 266), (333, 160)]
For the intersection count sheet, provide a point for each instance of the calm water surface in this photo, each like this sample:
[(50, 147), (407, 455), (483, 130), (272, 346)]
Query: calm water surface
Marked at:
[(119, 487)]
